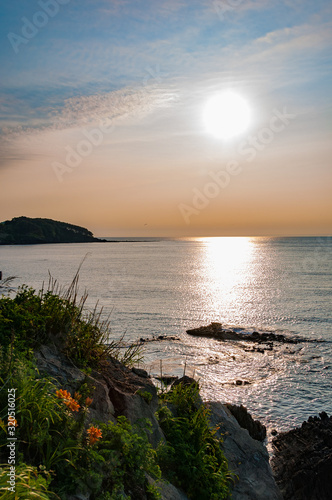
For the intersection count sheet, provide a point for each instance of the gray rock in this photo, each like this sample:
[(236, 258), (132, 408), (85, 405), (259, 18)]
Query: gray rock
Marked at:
[(127, 391), (247, 458), (52, 362), (254, 427), (170, 492), (140, 372), (101, 408), (167, 490)]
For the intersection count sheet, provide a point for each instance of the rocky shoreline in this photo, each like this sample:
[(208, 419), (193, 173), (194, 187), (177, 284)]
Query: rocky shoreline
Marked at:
[(123, 391), (302, 461)]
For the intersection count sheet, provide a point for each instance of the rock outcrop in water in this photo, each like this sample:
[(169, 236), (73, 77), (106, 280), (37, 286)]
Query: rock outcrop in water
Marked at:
[(302, 463), (216, 331), (121, 391)]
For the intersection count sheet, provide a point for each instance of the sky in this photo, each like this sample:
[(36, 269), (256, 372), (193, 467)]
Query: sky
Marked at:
[(104, 124)]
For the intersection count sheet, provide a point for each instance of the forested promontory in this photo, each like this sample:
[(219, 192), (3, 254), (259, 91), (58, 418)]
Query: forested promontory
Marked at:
[(28, 231)]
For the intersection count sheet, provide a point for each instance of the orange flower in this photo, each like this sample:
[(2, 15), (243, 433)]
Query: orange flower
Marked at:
[(13, 423), (77, 396), (72, 404), (94, 434), (68, 400), (63, 394), (88, 401)]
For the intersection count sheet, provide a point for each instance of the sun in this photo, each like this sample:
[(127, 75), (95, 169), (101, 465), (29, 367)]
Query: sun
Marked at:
[(226, 115)]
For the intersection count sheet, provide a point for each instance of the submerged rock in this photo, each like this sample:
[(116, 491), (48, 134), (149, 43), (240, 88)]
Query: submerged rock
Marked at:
[(302, 463)]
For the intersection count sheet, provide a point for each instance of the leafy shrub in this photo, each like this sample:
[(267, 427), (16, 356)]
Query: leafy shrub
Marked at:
[(192, 458), (118, 463)]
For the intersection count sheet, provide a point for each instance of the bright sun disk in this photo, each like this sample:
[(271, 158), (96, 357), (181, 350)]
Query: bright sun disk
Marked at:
[(226, 115)]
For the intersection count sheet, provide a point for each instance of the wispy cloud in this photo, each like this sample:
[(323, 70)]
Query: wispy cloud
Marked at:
[(116, 106)]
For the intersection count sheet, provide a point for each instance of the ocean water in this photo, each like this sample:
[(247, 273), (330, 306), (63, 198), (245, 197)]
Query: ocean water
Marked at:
[(166, 286)]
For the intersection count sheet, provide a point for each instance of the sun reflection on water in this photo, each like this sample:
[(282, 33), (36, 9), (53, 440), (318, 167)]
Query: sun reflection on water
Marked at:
[(228, 271)]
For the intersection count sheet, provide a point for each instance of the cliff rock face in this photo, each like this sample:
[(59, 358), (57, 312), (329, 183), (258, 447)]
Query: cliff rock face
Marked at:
[(121, 391), (27, 231), (247, 458), (303, 460)]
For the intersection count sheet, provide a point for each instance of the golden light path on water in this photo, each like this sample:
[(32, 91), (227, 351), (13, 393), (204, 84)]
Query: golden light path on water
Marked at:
[(227, 264), (228, 371)]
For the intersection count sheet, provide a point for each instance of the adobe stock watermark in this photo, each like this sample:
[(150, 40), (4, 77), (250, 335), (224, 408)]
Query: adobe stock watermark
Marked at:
[(11, 438), (154, 74), (248, 149), (30, 28), (223, 6)]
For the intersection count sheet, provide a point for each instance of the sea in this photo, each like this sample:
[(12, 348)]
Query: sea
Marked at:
[(152, 287)]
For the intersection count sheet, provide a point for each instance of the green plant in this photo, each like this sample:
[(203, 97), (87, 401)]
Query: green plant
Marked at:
[(146, 395), (118, 463), (31, 319), (192, 458), (44, 425), (30, 483)]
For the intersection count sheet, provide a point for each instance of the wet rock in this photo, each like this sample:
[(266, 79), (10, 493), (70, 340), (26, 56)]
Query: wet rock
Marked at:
[(247, 458), (159, 338), (302, 462), (254, 427), (216, 331), (242, 382)]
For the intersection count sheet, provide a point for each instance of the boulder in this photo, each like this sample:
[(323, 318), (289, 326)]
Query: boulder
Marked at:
[(55, 364), (247, 458), (254, 427), (302, 462)]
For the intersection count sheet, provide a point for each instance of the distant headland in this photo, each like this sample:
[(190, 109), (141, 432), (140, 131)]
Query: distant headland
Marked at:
[(30, 231)]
